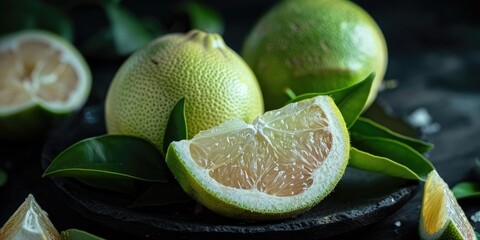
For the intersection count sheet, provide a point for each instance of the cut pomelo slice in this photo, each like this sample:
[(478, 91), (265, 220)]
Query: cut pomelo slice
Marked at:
[(441, 216), (29, 222), (41, 74), (283, 163)]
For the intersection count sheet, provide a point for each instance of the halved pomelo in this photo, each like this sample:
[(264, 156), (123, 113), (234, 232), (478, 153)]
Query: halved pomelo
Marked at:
[(283, 163), (441, 216), (41, 75), (29, 222)]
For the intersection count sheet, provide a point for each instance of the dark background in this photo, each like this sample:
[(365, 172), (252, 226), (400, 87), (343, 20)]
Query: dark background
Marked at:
[(434, 55)]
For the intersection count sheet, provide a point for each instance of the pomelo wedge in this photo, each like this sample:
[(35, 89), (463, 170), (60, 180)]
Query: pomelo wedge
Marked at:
[(29, 222), (441, 216), (283, 163)]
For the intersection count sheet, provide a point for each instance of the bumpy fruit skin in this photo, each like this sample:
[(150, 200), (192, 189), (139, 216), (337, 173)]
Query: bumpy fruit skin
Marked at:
[(216, 83), (314, 46)]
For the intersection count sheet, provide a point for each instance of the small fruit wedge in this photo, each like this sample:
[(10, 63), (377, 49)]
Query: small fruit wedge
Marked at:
[(441, 217), (284, 163), (29, 222), (41, 76)]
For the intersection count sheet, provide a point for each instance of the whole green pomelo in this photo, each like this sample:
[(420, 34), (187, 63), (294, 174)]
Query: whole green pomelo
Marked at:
[(314, 46)]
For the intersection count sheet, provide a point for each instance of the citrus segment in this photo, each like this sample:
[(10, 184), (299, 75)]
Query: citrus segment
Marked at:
[(309, 46), (283, 163), (29, 222), (441, 216), (40, 75), (216, 83)]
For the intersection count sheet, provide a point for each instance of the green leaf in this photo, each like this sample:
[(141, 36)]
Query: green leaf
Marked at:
[(350, 100), (204, 17), (369, 128), (369, 162), (162, 194), (176, 126), (128, 32), (396, 151), (16, 15), (3, 177), (103, 45), (75, 234), (466, 190), (110, 157)]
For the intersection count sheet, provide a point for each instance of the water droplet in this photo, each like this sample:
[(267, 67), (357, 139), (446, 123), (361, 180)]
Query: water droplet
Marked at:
[(476, 217), (398, 224)]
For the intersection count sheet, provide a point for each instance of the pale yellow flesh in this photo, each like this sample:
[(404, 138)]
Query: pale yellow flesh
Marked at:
[(434, 206), (277, 159), (439, 206), (34, 70), (29, 222)]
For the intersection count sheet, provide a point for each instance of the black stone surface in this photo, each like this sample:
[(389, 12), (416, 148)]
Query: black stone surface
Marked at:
[(434, 55)]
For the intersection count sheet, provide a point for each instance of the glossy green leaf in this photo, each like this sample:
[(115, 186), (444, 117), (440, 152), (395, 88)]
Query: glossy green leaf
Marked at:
[(128, 32), (350, 100), (75, 234), (176, 126), (110, 157), (204, 17), (369, 162), (16, 15), (162, 194), (466, 190), (366, 127), (396, 151), (3, 177)]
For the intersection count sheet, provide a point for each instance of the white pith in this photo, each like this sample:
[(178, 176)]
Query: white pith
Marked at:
[(324, 178), (69, 55)]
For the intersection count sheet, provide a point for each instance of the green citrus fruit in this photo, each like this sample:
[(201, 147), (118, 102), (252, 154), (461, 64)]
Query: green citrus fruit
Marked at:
[(29, 222), (42, 77), (314, 46), (441, 217), (283, 163), (216, 83)]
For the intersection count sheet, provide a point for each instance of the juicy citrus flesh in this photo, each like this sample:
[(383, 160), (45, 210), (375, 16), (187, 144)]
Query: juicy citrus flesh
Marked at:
[(286, 161), (216, 83), (276, 156), (314, 46), (441, 214), (29, 222), (38, 67)]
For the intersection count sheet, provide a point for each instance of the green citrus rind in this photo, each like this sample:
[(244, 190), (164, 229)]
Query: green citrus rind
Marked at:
[(224, 200), (314, 46)]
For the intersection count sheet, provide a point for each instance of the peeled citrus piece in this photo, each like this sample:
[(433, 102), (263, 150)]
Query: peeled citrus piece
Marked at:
[(29, 222), (441, 217), (283, 163), (41, 75)]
